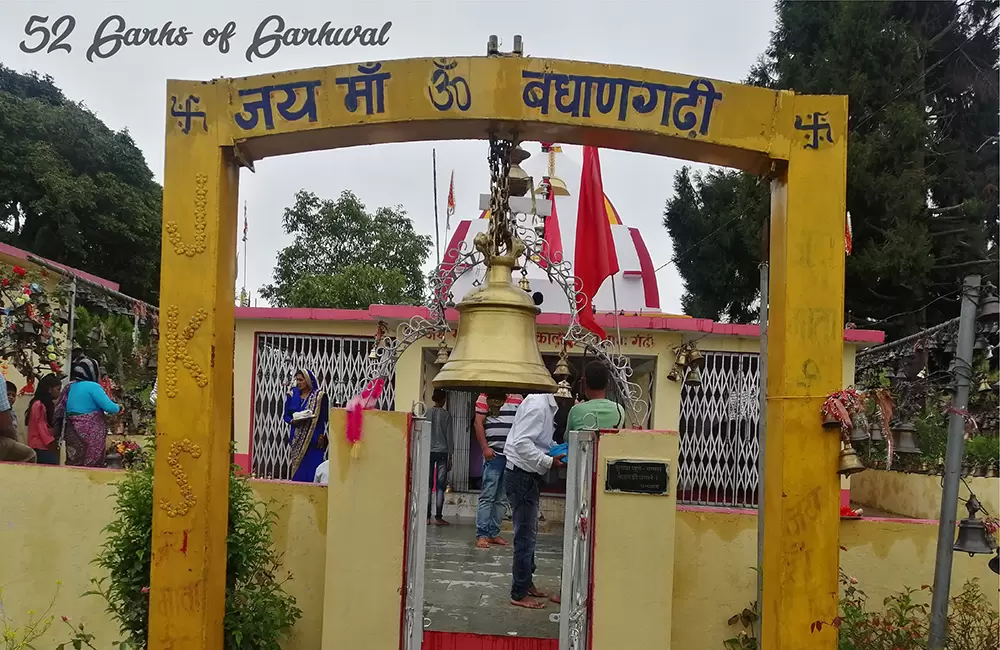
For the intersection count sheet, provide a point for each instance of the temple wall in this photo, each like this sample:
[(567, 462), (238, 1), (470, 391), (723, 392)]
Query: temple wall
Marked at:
[(51, 520)]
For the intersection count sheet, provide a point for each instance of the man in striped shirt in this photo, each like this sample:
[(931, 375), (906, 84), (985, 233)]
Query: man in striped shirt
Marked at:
[(491, 432)]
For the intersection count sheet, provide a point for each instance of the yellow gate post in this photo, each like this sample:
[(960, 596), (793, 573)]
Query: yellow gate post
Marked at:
[(805, 357), (194, 409)]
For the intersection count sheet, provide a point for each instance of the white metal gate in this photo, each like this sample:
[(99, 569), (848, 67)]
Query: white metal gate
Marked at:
[(574, 616), (720, 428), (339, 363), (416, 533)]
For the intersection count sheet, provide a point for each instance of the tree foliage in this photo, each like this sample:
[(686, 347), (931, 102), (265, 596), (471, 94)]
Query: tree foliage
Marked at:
[(922, 158), (72, 189), (346, 257)]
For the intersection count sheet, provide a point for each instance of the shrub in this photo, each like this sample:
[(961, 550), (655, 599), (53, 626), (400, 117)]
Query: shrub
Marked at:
[(258, 610)]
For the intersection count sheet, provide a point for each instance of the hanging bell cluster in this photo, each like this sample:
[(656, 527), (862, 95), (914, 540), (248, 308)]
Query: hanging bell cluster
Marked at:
[(562, 374), (973, 537), (687, 363)]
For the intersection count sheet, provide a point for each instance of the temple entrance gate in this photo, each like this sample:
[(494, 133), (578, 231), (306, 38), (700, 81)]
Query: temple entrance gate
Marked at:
[(213, 128)]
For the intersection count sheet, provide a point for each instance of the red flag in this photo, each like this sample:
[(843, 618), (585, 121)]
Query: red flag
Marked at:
[(849, 236), (450, 210), (594, 260), (552, 249)]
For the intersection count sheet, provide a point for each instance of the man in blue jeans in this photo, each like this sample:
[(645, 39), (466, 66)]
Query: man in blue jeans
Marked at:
[(491, 432), (528, 460)]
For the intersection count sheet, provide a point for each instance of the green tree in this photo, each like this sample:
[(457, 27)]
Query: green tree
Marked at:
[(346, 257), (922, 155), (73, 190)]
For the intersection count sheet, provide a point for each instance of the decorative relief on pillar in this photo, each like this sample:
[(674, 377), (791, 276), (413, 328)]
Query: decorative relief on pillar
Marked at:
[(817, 130), (176, 344), (188, 499), (200, 221)]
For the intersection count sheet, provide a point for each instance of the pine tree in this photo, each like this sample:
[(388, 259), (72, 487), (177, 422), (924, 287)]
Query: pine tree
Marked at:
[(922, 157)]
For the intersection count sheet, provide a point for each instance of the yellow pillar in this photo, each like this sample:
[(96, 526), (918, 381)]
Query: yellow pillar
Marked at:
[(194, 409), (805, 349)]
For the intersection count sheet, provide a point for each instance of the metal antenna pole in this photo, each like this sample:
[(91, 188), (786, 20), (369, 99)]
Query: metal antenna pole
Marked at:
[(953, 464), (437, 229)]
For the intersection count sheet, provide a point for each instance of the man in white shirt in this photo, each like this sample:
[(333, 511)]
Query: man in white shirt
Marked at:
[(527, 453)]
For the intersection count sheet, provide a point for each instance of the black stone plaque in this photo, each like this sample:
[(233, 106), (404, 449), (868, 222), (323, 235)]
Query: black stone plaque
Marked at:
[(638, 477)]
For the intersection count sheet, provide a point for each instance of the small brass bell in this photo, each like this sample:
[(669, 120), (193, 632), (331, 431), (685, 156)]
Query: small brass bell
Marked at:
[(859, 430), (523, 284), (442, 354), (875, 430), (849, 463), (984, 386), (906, 441), (695, 357), (990, 309), (980, 343), (693, 378), (674, 374), (562, 370), (972, 536), (682, 358), (564, 391), (995, 562), (923, 373), (374, 353), (152, 363)]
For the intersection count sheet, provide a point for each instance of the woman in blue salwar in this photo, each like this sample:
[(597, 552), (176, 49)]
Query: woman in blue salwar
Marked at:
[(307, 410)]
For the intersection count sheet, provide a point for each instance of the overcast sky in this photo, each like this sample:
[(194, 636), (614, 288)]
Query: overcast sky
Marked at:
[(713, 38)]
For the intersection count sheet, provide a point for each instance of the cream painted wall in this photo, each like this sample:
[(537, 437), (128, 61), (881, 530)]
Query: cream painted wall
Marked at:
[(918, 495), (53, 518)]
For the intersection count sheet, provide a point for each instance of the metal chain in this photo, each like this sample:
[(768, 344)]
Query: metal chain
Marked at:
[(500, 231)]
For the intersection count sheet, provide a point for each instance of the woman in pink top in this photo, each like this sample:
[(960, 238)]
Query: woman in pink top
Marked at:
[(41, 436)]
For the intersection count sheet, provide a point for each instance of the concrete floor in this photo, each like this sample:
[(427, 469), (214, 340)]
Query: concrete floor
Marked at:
[(468, 589)]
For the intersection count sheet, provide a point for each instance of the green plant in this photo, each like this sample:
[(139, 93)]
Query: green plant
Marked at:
[(745, 639), (258, 610), (982, 450), (14, 637), (903, 623)]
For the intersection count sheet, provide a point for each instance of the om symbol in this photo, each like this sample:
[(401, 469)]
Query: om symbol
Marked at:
[(445, 91)]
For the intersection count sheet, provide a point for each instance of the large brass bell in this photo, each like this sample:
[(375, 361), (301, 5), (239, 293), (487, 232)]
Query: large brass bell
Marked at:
[(906, 441), (693, 377), (496, 346), (972, 536), (849, 463)]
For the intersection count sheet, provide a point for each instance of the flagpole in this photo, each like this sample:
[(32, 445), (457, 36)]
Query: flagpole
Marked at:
[(437, 227), (244, 251)]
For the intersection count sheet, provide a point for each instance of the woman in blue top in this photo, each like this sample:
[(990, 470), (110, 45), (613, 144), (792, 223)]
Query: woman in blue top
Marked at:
[(307, 411), (81, 415)]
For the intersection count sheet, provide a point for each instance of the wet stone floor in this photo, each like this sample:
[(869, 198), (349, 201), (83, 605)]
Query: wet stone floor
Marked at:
[(468, 589)]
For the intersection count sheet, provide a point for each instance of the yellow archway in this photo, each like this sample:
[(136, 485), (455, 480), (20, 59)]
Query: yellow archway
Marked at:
[(214, 127)]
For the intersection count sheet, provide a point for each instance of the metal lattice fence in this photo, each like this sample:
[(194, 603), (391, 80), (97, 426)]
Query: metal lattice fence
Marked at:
[(720, 428), (339, 363)]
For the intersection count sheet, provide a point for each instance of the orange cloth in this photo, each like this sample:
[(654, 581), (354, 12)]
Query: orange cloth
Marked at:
[(39, 432)]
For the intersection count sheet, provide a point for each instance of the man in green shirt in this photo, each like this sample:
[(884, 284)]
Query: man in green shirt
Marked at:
[(598, 412)]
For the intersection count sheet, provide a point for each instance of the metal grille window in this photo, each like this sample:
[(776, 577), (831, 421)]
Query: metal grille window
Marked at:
[(462, 407), (339, 363), (719, 428)]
